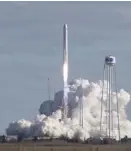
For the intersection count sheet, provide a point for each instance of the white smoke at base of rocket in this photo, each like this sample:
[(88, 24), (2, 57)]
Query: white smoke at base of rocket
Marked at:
[(53, 126), (65, 68)]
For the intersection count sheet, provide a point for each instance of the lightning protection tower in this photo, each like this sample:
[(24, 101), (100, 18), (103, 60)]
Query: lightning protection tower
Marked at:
[(81, 112), (109, 122), (81, 107)]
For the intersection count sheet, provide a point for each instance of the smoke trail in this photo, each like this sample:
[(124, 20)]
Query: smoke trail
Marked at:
[(53, 126)]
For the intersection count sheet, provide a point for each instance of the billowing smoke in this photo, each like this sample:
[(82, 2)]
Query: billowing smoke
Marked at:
[(49, 121)]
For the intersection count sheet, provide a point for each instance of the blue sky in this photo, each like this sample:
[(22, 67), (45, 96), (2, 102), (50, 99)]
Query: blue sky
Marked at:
[(31, 49)]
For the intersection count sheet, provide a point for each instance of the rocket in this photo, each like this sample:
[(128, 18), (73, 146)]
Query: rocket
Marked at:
[(65, 53), (65, 71)]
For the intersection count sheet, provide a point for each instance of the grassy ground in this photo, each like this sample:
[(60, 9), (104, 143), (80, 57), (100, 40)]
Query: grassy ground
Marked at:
[(63, 146)]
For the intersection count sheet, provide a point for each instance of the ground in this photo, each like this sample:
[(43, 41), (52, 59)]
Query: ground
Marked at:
[(61, 146)]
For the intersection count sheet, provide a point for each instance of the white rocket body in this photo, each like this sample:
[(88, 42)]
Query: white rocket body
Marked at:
[(65, 53), (65, 70)]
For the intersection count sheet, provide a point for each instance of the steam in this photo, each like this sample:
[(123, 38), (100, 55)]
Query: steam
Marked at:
[(50, 122)]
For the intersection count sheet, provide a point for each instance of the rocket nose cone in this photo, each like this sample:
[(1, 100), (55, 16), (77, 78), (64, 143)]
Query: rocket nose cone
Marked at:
[(65, 26)]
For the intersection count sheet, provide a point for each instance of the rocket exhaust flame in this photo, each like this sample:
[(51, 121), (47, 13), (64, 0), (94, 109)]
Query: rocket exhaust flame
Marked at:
[(65, 72)]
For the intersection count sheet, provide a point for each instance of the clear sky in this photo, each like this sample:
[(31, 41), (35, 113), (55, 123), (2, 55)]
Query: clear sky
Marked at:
[(31, 49)]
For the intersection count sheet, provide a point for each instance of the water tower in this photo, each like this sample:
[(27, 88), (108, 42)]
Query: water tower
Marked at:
[(109, 122)]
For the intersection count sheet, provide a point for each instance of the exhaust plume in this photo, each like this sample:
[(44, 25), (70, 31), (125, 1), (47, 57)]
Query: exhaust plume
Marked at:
[(52, 125)]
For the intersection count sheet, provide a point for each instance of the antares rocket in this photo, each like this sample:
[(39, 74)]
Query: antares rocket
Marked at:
[(65, 43), (65, 71)]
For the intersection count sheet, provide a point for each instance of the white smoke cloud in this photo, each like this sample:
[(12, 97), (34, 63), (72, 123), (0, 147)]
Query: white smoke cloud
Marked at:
[(50, 122)]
